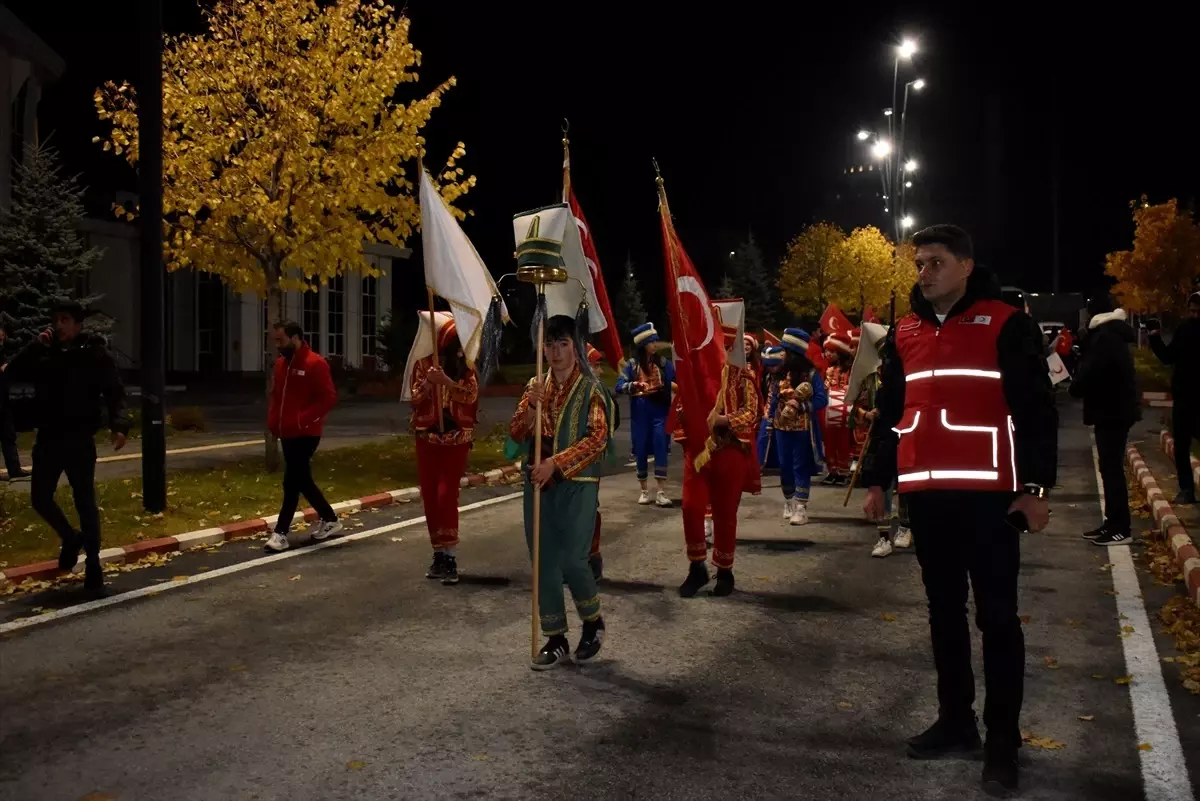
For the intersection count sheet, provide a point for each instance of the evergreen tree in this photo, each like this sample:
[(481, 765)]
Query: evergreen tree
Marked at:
[(42, 257), (630, 311), (753, 282), (726, 290)]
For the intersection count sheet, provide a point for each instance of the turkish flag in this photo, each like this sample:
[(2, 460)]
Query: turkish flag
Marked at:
[(769, 338), (609, 339), (836, 323), (698, 343), (816, 355), (868, 315)]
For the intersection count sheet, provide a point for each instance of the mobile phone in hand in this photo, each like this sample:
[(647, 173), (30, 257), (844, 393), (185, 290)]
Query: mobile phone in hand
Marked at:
[(1153, 325), (1018, 521)]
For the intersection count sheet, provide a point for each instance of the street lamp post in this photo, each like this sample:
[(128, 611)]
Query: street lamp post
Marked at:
[(917, 84), (904, 50)]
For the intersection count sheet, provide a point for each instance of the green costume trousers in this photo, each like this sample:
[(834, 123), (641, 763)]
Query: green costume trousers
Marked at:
[(568, 522)]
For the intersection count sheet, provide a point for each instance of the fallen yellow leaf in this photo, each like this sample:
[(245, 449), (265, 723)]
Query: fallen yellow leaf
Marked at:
[(236, 668), (1025, 619), (1045, 743), (1123, 679), (481, 757), (1127, 629), (1052, 662), (845, 705), (887, 616), (355, 764), (1097, 675), (1145, 747), (295, 577), (179, 578), (1087, 718)]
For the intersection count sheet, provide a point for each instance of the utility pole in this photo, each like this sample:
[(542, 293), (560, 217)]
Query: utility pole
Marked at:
[(150, 169)]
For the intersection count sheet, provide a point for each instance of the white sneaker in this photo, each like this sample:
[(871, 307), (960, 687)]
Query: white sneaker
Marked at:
[(277, 542), (661, 499), (708, 531), (326, 529), (644, 498), (882, 548), (903, 538), (787, 509), (799, 515)]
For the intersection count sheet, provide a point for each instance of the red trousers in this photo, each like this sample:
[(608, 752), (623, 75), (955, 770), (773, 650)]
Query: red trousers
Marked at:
[(720, 483), (441, 468)]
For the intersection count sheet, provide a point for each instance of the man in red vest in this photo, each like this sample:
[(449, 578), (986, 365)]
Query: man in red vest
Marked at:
[(968, 430)]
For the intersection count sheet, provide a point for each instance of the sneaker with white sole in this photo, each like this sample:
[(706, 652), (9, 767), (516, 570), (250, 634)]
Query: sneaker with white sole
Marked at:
[(708, 531), (799, 515), (326, 529), (788, 509), (1113, 538), (903, 538), (277, 542), (882, 548), (644, 498), (662, 500)]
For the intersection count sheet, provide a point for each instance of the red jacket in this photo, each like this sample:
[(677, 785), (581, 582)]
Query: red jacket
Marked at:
[(302, 395), (957, 430)]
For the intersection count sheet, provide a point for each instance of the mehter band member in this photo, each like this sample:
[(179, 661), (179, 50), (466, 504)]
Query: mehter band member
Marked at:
[(798, 397), (647, 380)]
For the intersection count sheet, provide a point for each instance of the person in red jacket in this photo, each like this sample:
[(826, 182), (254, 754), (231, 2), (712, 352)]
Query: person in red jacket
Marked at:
[(302, 395), (445, 407)]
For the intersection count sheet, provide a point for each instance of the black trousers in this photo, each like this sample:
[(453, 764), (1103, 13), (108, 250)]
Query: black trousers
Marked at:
[(298, 480), (961, 536), (74, 455), (1110, 448), (1185, 427), (8, 440)]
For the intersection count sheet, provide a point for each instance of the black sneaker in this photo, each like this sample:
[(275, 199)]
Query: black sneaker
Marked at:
[(437, 570), (697, 577), (724, 585), (590, 641), (68, 556), (450, 570), (1113, 538), (597, 564), (831, 479), (1182, 499), (1000, 773), (18, 474), (1095, 533), (555, 652), (93, 580), (945, 737)]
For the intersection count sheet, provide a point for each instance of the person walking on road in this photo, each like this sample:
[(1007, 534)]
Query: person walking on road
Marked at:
[(445, 408), (74, 377), (648, 379), (8, 434), (302, 396), (968, 430), (1183, 353), (1106, 381)]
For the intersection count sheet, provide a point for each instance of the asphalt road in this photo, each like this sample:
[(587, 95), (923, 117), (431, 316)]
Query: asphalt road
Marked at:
[(341, 673)]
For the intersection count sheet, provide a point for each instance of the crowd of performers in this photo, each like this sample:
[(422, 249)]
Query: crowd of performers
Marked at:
[(786, 409)]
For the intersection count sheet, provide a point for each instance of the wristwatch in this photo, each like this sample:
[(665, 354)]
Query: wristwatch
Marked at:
[(1037, 491)]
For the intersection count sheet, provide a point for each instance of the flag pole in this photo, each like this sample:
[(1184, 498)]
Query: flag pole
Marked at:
[(566, 127), (858, 465), (437, 391)]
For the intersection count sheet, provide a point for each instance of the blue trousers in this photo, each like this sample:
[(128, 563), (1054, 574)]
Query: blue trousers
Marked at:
[(650, 436), (796, 463)]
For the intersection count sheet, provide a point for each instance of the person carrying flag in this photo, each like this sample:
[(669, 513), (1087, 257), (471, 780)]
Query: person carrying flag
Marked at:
[(798, 396), (647, 380)]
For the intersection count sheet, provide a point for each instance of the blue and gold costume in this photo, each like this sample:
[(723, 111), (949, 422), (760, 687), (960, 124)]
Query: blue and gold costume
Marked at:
[(648, 380)]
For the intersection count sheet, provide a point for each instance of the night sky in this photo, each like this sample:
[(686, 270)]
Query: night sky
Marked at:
[(751, 110)]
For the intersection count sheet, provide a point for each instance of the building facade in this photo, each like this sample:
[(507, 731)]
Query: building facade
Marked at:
[(26, 65)]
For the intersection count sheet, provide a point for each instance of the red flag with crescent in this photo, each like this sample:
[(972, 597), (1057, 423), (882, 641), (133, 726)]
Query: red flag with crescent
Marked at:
[(609, 339), (696, 338), (833, 321), (769, 338)]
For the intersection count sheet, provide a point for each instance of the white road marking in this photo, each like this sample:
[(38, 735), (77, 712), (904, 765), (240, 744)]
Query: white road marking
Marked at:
[(1164, 769), (125, 457), (91, 606)]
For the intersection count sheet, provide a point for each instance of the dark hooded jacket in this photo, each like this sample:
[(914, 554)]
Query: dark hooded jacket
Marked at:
[(1182, 353), (1021, 356), (1105, 378)]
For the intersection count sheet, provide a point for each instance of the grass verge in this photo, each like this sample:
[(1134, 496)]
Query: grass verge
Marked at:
[(202, 498), (1153, 375)]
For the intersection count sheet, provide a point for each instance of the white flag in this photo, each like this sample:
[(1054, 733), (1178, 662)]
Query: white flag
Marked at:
[(422, 346), (733, 313), (1058, 370), (867, 360), (559, 224), (453, 269)]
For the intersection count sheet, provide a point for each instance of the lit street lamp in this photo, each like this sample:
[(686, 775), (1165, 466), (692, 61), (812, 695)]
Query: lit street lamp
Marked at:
[(908, 184), (907, 222), (881, 149), (905, 50), (910, 165), (864, 136)]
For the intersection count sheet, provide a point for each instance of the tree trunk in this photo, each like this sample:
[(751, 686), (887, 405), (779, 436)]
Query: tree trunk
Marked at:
[(274, 315)]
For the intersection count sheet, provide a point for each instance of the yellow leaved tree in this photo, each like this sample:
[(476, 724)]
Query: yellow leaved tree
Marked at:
[(903, 276), (816, 271), (1160, 271), (869, 257), (285, 144)]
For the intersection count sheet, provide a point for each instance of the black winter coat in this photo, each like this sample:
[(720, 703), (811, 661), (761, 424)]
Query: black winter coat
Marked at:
[(1105, 378), (1183, 353), (71, 385)]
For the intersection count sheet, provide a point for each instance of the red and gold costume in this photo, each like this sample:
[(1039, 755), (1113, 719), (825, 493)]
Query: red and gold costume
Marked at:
[(839, 449), (443, 424)]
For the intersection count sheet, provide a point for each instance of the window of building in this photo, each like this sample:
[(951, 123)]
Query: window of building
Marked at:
[(210, 323), (370, 314), (337, 317), (312, 318)]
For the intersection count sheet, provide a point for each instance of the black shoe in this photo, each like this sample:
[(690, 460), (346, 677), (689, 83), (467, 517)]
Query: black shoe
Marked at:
[(724, 585), (18, 474), (450, 568), (1000, 772), (555, 652), (945, 737), (93, 580), (597, 564), (1182, 499), (1095, 533), (697, 577), (1113, 538), (830, 480), (590, 641), (68, 557), (437, 570)]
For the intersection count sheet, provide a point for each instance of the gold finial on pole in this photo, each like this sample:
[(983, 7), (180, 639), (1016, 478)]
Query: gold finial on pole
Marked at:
[(566, 142)]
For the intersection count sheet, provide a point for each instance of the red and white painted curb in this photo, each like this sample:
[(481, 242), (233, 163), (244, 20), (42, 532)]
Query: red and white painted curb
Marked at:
[(1168, 446), (1186, 554), (1157, 400), (242, 528)]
